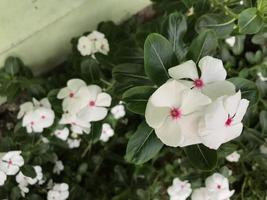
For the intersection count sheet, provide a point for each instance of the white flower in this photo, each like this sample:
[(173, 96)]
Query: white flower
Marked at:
[(218, 186), (25, 180), (230, 41), (3, 100), (23, 190), (11, 162), (221, 120), (97, 101), (233, 157), (73, 143), (62, 134), (201, 194), (261, 77), (2, 178), (58, 167), (179, 190), (263, 149), (212, 80), (58, 192), (85, 46), (172, 111), (102, 46), (118, 111), (106, 133)]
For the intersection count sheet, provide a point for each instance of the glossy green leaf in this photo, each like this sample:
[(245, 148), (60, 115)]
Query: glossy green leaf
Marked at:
[(201, 157), (159, 57), (13, 65), (90, 70), (136, 98), (248, 89), (204, 44), (143, 145), (29, 171), (249, 21)]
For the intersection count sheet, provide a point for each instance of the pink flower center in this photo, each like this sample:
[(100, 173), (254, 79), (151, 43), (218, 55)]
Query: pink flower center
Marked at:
[(92, 103), (219, 186), (32, 123), (9, 163), (43, 117), (175, 113), (71, 95), (198, 83), (229, 121)]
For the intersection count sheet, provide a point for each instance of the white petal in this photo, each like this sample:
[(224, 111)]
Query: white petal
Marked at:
[(168, 95), (75, 84), (92, 113), (24, 108), (217, 89), (45, 102), (103, 99), (170, 133), (2, 178), (231, 103), (155, 116), (63, 93), (212, 69), (187, 69), (189, 84), (241, 110), (94, 90)]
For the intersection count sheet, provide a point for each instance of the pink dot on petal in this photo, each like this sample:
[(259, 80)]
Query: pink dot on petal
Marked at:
[(71, 94), (92, 103), (198, 83), (229, 121), (219, 187), (175, 113), (43, 117)]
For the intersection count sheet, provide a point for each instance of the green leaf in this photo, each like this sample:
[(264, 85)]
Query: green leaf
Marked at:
[(159, 57), (249, 21), (201, 157), (263, 121), (136, 98), (95, 133), (13, 65), (248, 89), (15, 193), (238, 47), (204, 44), (90, 70), (221, 24), (176, 26), (143, 145), (29, 171)]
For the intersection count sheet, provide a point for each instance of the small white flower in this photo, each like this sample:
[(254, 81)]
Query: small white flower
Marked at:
[(263, 149), (179, 190), (58, 167), (221, 120), (62, 134), (233, 157), (58, 192), (230, 41), (218, 186), (3, 100), (25, 180), (85, 46), (97, 101), (11, 162), (106, 133), (73, 143), (3, 178), (118, 111), (241, 2), (102, 46), (261, 77), (44, 140), (173, 112), (201, 194), (212, 80), (23, 190)]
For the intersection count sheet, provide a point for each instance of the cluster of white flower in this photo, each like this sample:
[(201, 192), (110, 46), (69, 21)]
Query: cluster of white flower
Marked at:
[(93, 43), (37, 115), (118, 111), (10, 164), (217, 188), (25, 181), (191, 109), (58, 192), (106, 133)]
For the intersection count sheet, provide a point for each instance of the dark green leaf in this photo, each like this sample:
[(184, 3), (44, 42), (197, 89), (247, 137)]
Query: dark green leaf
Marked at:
[(90, 70), (249, 21), (29, 171), (201, 157), (13, 65), (143, 145), (159, 57), (263, 121)]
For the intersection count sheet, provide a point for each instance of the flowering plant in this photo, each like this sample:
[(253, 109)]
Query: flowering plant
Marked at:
[(171, 103)]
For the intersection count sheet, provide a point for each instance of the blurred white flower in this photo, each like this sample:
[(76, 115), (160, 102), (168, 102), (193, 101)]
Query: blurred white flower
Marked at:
[(23, 190), (172, 111), (261, 77), (85, 46), (118, 111), (106, 133), (73, 143), (58, 192), (102, 46), (212, 80), (230, 41), (263, 149), (62, 134), (201, 194), (233, 157), (2, 100), (25, 180), (3, 178), (58, 167), (11, 162), (221, 120), (179, 190), (78, 125)]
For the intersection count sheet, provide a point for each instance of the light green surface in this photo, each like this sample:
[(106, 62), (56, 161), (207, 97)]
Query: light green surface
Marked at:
[(39, 31)]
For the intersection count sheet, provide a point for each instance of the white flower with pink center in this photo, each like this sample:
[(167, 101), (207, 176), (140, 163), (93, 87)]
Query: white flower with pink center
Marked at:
[(97, 101), (85, 46), (11, 162), (221, 120), (218, 187), (106, 133), (62, 133), (173, 111), (211, 82), (179, 190), (233, 157)]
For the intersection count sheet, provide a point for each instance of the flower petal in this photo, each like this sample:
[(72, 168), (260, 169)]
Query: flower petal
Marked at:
[(92, 113), (103, 99), (63, 93), (241, 110), (212, 69), (231, 103), (94, 91), (218, 89), (187, 69), (75, 84)]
